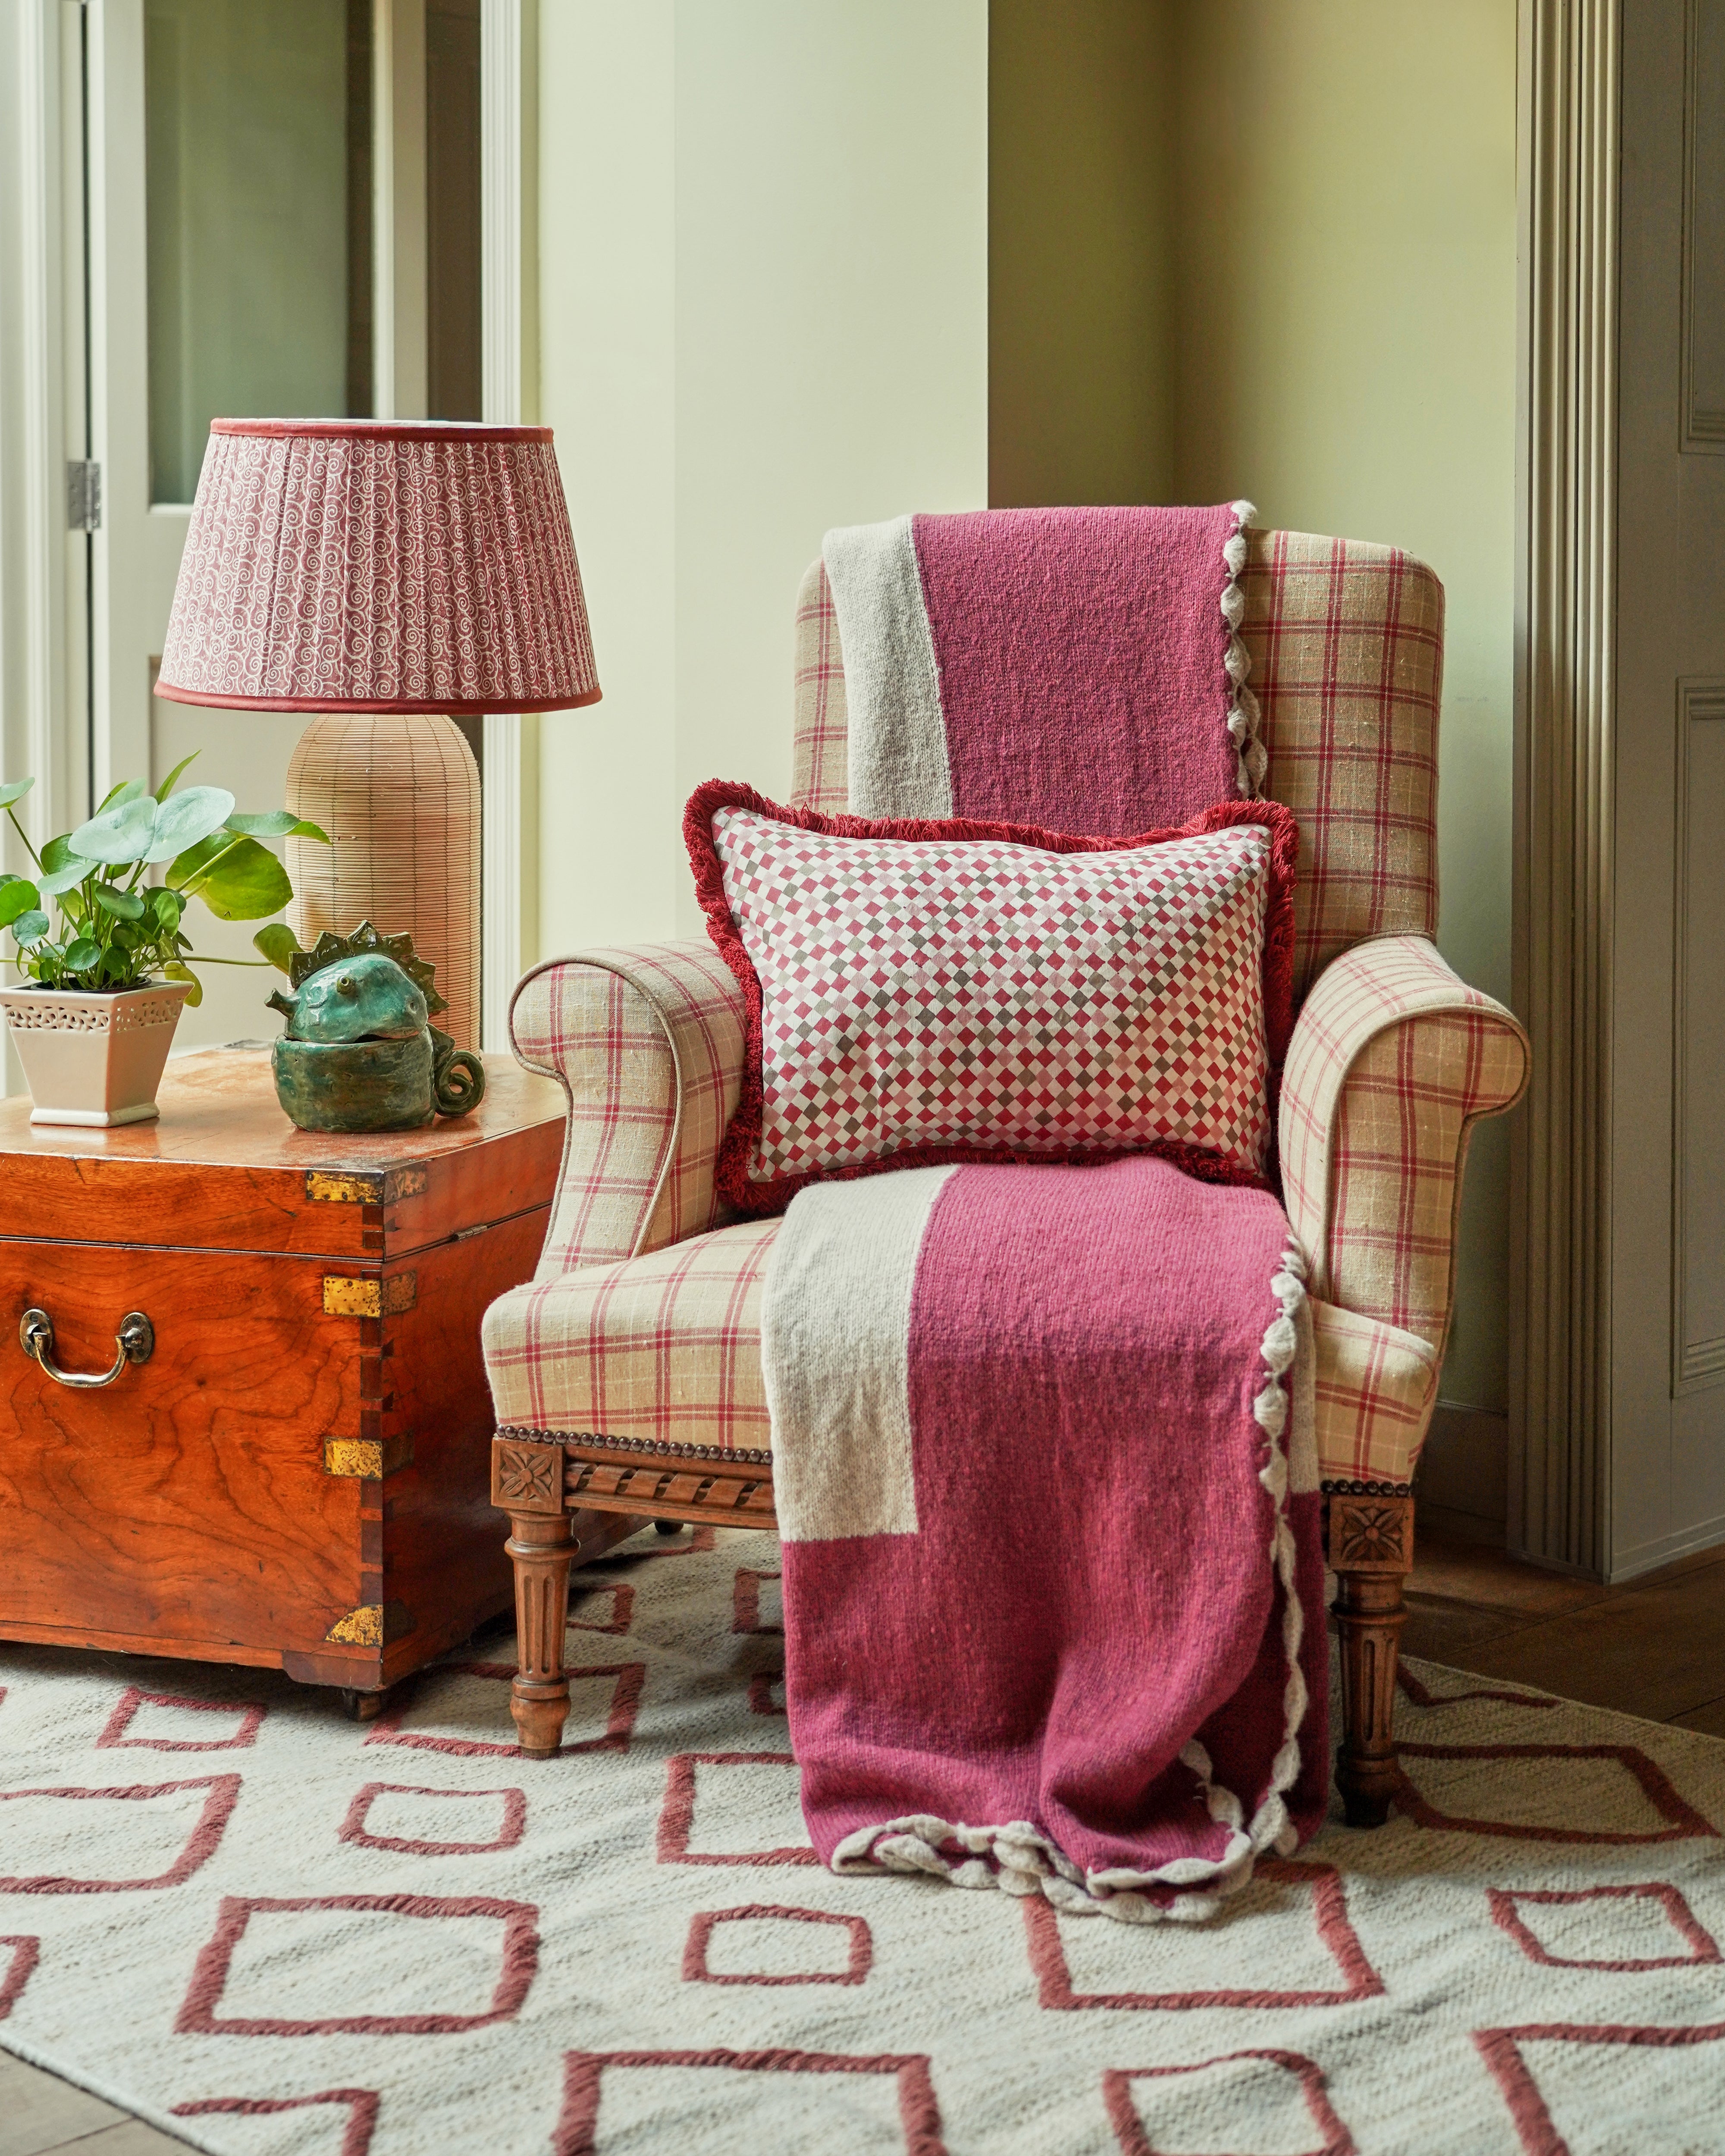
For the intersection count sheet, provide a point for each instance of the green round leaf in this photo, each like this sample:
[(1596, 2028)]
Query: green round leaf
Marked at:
[(82, 954), (126, 905), (278, 943), (278, 824), (14, 789), (184, 819), (30, 927), (63, 879), (129, 789), (118, 835), (17, 898), (175, 971), (167, 906), (243, 882)]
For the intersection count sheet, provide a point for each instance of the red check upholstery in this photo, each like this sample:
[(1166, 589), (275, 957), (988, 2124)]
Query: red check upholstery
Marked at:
[(643, 1318)]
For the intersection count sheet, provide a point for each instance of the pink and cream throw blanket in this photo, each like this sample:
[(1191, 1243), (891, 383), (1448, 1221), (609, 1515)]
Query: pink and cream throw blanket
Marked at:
[(1047, 1486), (1079, 669), (1044, 1465)]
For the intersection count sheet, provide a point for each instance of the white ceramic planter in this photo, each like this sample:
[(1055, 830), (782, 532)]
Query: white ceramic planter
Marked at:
[(94, 1059)]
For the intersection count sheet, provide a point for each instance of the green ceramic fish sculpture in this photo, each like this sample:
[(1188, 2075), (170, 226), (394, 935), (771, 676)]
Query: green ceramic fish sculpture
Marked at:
[(365, 998), (358, 1052)]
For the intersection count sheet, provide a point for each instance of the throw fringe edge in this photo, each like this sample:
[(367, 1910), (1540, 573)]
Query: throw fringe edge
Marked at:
[(1243, 714), (1027, 1862)]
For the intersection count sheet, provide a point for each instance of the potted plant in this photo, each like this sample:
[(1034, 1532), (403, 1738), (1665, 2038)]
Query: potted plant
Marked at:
[(104, 983)]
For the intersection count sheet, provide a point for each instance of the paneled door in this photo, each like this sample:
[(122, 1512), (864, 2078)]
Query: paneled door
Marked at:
[(1667, 1383), (258, 244)]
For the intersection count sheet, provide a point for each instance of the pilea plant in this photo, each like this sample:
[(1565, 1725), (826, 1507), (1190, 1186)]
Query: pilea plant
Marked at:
[(120, 928)]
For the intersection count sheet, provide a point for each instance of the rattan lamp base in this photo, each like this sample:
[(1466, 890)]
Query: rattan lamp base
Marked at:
[(398, 794)]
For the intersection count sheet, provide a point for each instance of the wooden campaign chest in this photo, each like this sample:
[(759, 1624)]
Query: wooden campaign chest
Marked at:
[(296, 1476)]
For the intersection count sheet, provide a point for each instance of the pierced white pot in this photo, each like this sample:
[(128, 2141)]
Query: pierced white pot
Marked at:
[(94, 1059)]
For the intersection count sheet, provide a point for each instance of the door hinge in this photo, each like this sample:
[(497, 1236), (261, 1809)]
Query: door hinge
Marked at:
[(84, 494)]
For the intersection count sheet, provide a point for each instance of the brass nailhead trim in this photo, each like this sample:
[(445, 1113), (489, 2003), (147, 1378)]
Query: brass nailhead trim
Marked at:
[(369, 1459), (344, 1296), (720, 1455), (363, 1186)]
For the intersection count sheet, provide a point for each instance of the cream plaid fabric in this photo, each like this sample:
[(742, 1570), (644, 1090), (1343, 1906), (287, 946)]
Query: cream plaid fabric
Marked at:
[(647, 1040), (1347, 642), (667, 1347), (1376, 1387), (1393, 1059)]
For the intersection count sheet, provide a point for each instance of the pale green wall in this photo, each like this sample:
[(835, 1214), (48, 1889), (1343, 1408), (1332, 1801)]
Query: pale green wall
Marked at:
[(763, 279), (790, 255), (1082, 240), (1267, 248), (1346, 356)]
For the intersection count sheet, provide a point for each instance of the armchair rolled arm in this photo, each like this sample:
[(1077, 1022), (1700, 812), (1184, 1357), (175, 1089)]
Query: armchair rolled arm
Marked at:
[(647, 1042), (1392, 1061)]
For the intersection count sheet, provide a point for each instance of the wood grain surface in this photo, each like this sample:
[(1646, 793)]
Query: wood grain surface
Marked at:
[(224, 1169), (285, 1465)]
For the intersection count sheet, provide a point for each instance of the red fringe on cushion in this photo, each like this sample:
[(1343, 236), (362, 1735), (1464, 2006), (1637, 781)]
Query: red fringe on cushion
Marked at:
[(743, 1135)]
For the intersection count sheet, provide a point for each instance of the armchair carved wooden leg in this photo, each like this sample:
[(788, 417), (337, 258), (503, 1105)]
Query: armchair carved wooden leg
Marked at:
[(1370, 1541), (543, 1549), (546, 1539)]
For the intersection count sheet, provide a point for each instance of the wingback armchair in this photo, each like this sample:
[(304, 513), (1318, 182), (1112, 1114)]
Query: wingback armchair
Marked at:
[(627, 1375)]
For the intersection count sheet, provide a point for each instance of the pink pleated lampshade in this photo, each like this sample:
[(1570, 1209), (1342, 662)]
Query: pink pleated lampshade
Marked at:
[(383, 576), (378, 566)]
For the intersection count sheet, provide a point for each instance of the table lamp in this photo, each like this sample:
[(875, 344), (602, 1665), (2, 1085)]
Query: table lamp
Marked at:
[(387, 578)]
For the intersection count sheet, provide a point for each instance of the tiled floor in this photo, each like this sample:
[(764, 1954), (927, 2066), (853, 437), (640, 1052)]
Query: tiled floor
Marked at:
[(1655, 1648)]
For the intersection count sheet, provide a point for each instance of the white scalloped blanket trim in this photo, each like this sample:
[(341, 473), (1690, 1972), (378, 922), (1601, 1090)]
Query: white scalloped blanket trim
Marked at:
[(1243, 715), (1026, 1861)]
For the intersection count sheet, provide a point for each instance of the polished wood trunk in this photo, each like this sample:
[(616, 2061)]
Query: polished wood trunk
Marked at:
[(298, 1476)]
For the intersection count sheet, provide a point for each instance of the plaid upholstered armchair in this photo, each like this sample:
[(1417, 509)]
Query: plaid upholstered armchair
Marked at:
[(628, 1376)]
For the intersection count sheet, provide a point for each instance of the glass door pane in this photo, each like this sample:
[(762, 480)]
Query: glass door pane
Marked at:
[(258, 192)]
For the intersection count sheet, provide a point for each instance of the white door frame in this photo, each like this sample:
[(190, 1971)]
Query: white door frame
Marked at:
[(43, 564), (42, 415), (509, 153), (43, 619)]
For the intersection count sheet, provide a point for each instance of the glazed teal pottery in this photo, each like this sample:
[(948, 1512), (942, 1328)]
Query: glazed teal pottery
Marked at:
[(358, 1053)]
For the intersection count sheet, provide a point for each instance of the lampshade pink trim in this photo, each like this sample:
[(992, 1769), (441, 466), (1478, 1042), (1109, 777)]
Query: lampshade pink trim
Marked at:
[(392, 430), (227, 703), (374, 566)]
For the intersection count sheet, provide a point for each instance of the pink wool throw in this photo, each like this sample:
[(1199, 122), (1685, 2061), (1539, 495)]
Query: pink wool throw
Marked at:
[(1047, 1484), (1079, 669), (1044, 1460)]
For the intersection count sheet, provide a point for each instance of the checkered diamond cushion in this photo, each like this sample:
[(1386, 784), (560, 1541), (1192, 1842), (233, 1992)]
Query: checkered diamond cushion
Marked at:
[(926, 991), (666, 1348)]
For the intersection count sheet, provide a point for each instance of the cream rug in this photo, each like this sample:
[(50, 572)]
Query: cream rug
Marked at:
[(279, 1934)]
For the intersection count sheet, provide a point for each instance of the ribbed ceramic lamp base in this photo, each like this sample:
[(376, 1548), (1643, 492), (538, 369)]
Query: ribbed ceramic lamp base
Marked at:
[(399, 795)]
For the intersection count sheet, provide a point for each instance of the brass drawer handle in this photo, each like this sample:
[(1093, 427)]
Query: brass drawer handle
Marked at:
[(135, 1341)]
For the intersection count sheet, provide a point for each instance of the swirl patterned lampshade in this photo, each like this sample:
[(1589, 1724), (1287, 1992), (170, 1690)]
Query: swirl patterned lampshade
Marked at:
[(383, 576)]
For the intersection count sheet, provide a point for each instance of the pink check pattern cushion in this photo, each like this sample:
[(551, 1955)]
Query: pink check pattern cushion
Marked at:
[(961, 991)]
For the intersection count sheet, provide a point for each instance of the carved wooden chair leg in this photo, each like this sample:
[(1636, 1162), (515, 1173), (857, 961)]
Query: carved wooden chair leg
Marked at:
[(542, 1550), (1371, 1551)]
